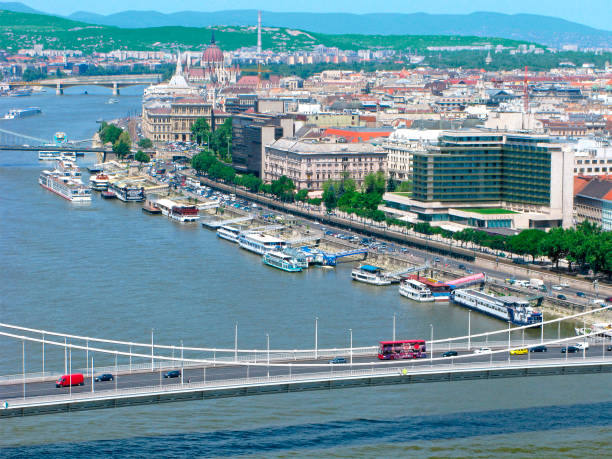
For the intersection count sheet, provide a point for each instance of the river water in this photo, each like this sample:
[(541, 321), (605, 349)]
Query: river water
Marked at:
[(105, 269)]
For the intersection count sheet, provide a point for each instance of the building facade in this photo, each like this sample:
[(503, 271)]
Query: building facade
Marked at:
[(310, 164), (174, 122), (251, 132), (501, 179)]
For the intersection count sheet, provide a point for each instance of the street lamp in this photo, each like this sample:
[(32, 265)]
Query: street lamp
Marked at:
[(351, 342), (268, 351), (393, 326), (469, 329), (316, 338), (431, 344)]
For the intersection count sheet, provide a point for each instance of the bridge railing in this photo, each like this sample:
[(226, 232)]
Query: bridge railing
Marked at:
[(328, 375)]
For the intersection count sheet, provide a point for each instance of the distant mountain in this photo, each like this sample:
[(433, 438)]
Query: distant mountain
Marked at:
[(547, 30), (18, 8)]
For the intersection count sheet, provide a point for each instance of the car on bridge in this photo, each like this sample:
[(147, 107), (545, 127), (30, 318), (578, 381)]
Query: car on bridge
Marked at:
[(450, 354), (104, 377), (569, 350), (336, 360), (75, 379), (173, 374), (582, 346), (609, 349), (519, 351), (540, 348), (482, 350)]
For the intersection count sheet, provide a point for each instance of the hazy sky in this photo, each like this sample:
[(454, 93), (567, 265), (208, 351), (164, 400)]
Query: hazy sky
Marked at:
[(595, 13)]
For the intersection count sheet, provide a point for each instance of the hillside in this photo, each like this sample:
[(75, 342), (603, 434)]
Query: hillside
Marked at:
[(21, 30), (547, 30)]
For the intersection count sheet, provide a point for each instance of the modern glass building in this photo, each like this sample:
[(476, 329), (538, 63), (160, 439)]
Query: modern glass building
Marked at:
[(466, 170)]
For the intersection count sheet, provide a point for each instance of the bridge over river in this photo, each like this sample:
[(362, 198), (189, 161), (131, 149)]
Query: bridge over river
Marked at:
[(140, 370), (109, 81)]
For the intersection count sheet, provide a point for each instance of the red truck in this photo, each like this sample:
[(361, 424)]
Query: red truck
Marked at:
[(75, 379)]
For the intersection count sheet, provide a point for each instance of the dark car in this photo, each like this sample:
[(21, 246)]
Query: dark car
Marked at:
[(104, 377), (609, 299), (569, 349), (173, 374), (337, 360), (580, 294), (461, 266), (437, 259), (562, 297), (540, 348), (450, 354), (609, 349)]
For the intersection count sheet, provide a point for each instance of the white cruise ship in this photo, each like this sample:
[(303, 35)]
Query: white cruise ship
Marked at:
[(50, 155), (229, 233), (260, 243), (282, 261), (67, 187), (507, 308), (415, 290), (370, 275)]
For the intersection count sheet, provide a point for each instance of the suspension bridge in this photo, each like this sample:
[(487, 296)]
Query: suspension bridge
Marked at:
[(140, 369), (115, 82)]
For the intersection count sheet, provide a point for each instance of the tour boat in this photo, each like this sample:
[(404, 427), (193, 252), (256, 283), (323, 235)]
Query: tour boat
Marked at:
[(370, 275), (229, 233), (415, 290), (22, 113), (260, 243), (67, 187), (50, 155), (282, 261), (99, 182), (507, 308), (176, 211), (127, 193)]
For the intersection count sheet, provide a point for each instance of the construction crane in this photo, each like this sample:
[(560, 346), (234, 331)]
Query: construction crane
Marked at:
[(526, 91)]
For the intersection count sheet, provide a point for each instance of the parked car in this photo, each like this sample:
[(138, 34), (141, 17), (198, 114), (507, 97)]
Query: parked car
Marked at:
[(450, 354), (569, 349), (557, 287), (173, 374), (540, 348), (75, 379), (580, 294), (609, 299), (337, 360), (104, 377), (482, 350), (562, 297), (461, 266), (518, 351)]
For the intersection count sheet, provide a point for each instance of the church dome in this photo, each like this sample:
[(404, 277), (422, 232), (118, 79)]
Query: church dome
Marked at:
[(212, 54)]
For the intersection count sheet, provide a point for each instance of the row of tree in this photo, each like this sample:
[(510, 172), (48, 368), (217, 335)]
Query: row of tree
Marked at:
[(219, 141), (343, 194), (208, 163)]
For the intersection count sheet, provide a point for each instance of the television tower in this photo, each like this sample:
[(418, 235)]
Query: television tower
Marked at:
[(259, 33)]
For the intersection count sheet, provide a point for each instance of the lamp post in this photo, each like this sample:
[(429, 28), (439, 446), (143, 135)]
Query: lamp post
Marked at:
[(236, 342), (393, 326), (351, 343), (316, 338), (152, 359), (268, 353), (431, 344), (469, 329)]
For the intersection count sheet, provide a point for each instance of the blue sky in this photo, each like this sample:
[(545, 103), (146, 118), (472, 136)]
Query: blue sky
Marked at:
[(595, 13)]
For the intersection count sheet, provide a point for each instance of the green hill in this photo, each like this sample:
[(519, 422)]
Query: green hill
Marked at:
[(22, 30)]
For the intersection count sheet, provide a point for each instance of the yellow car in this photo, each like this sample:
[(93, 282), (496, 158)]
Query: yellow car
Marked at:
[(518, 351)]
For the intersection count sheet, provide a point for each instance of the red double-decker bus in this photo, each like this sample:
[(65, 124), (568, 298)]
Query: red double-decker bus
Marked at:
[(405, 349)]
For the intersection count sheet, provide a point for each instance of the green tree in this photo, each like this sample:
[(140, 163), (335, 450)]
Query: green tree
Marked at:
[(202, 161), (302, 195), (283, 188), (391, 184), (200, 131), (142, 157), (375, 183), (555, 245), (109, 133), (145, 143), (528, 242), (121, 148), (329, 195), (221, 140)]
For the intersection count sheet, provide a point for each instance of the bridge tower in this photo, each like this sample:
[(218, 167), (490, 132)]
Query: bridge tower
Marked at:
[(115, 89), (59, 90)]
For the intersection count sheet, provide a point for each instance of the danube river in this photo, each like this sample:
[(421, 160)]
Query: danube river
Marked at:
[(105, 269)]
